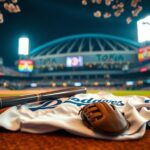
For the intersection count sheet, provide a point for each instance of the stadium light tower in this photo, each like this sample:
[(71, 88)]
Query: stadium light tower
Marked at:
[(24, 63), (23, 48), (143, 26)]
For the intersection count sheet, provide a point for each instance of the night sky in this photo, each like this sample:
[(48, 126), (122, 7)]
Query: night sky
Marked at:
[(46, 20)]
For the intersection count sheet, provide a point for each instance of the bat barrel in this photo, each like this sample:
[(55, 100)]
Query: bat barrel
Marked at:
[(45, 96)]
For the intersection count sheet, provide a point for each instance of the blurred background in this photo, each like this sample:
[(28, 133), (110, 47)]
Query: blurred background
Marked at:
[(102, 45)]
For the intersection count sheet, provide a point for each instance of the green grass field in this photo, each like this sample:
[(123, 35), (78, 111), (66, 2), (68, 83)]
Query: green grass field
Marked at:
[(115, 92), (126, 92)]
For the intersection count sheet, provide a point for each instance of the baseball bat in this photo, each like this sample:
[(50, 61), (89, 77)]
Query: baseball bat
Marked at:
[(45, 96)]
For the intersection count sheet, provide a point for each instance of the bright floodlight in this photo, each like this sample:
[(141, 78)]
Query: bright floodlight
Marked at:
[(144, 29), (23, 46)]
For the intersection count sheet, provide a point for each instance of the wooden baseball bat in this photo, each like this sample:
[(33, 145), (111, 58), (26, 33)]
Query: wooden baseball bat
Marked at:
[(45, 96)]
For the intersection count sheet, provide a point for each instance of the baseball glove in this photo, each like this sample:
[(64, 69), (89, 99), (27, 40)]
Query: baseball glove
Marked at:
[(104, 118)]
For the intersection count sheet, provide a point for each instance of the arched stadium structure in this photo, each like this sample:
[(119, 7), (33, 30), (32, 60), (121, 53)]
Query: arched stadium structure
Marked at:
[(89, 59), (98, 51)]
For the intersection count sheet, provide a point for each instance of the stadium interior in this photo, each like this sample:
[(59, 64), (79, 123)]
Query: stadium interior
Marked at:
[(102, 46), (91, 60)]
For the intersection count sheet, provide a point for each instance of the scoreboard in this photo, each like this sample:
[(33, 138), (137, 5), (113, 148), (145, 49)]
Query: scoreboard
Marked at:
[(25, 65), (144, 54)]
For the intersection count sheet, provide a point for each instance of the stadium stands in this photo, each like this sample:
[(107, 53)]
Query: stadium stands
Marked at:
[(93, 60)]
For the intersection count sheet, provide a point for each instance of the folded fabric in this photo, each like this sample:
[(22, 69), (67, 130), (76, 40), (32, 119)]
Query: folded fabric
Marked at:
[(59, 114)]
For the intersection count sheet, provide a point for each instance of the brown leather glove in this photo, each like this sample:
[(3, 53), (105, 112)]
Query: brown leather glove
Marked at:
[(104, 118)]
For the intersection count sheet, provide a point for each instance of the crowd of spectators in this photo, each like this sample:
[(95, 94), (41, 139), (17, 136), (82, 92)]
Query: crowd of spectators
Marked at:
[(8, 71), (106, 83), (112, 66)]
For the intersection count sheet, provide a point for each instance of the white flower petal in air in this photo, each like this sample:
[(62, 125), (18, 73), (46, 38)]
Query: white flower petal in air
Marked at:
[(134, 3), (114, 7), (117, 13), (129, 20), (6, 5), (136, 11), (84, 2), (14, 1), (120, 5), (107, 15), (10, 6), (108, 2), (97, 14), (93, 1), (1, 18), (98, 1), (17, 9)]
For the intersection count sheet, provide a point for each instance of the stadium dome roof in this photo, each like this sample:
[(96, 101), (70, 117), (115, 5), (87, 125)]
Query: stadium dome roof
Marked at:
[(83, 43)]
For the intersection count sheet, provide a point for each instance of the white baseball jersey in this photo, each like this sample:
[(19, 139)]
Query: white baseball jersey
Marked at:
[(64, 114)]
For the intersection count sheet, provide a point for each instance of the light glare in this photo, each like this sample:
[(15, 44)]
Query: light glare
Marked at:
[(23, 46), (144, 29)]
